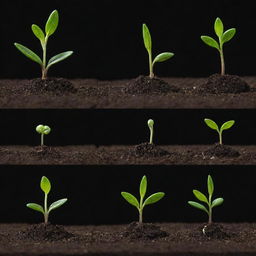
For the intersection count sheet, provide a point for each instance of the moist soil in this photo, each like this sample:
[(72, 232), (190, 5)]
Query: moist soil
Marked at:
[(180, 239), (121, 94), (128, 155)]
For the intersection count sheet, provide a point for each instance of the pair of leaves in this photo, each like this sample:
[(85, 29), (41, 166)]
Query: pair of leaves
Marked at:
[(214, 126), (150, 123), (43, 129)]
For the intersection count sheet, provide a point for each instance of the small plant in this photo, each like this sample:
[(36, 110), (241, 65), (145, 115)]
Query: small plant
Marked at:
[(151, 128), (201, 197), (214, 126), (43, 130), (223, 38), (148, 45), (140, 205), (46, 188), (50, 27)]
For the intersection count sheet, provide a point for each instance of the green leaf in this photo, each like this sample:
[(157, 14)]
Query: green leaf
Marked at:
[(210, 41), (59, 57), (57, 204), (198, 206), (147, 38), (200, 196), (227, 125), (150, 123), (52, 23), (45, 185), (38, 32), (163, 57), (28, 53), (218, 27), (143, 186), (217, 202), (228, 35), (211, 124), (130, 199), (35, 207), (47, 129), (210, 185), (154, 198)]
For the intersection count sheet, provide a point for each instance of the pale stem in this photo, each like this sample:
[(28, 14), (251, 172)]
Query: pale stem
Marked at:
[(45, 209), (220, 138), (222, 61), (151, 135), (44, 70), (210, 210), (141, 210), (151, 74), (42, 139), (140, 218)]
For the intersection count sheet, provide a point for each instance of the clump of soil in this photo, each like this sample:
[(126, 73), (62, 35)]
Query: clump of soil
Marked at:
[(147, 85), (148, 150), (45, 151), (45, 232), (215, 231), (143, 231), (220, 150), (217, 84)]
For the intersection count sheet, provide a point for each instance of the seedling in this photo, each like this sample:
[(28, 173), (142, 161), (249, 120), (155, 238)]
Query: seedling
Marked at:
[(148, 45), (223, 38), (46, 188), (151, 128), (43, 130), (140, 205), (50, 27), (201, 197), (214, 126)]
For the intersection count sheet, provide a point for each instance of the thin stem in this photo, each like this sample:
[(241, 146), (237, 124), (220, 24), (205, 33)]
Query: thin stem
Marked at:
[(222, 61), (220, 138), (151, 74), (45, 209), (140, 216), (151, 135), (210, 210), (44, 70), (42, 139), (141, 210)]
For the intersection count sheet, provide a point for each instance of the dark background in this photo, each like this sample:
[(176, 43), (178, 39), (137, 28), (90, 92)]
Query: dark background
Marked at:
[(107, 41)]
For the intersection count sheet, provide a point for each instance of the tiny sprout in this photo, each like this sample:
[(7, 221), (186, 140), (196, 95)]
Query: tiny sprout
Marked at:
[(140, 205), (50, 27), (46, 188), (43, 130), (223, 38), (201, 197), (151, 128), (148, 45), (214, 126)]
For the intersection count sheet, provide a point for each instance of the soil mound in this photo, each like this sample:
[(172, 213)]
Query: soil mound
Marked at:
[(220, 150), (148, 150)]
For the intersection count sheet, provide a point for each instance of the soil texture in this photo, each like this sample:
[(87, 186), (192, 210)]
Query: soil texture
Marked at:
[(216, 231), (220, 150)]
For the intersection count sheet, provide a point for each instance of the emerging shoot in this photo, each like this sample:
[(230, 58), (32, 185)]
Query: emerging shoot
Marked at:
[(151, 128), (50, 27), (46, 188), (148, 45), (140, 205), (223, 37), (214, 126), (201, 197), (43, 130)]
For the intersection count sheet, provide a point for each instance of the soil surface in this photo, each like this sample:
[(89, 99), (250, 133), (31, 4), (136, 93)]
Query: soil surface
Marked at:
[(92, 93), (182, 239), (129, 155)]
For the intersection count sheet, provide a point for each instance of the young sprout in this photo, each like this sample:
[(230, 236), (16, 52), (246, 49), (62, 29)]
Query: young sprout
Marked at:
[(50, 27), (140, 205), (214, 126), (43, 130), (223, 38), (46, 188), (201, 197), (148, 45), (151, 128)]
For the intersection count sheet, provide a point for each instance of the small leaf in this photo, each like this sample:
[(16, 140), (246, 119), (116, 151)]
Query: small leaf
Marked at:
[(45, 185), (52, 23), (163, 57), (210, 185), (147, 38), (59, 57), (38, 32), (211, 124), (35, 207), (57, 204), (154, 198), (143, 186), (40, 128), (218, 27), (130, 199), (200, 196), (198, 206), (227, 125), (210, 41), (150, 123), (217, 202), (28, 53), (47, 129), (228, 35)]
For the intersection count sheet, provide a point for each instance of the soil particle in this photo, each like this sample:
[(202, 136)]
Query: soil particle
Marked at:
[(220, 150), (215, 231), (217, 84), (45, 152), (148, 150)]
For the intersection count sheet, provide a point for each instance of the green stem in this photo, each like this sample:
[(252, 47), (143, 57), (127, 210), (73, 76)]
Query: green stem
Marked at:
[(44, 70), (220, 138), (45, 209), (151, 74), (151, 135), (210, 210), (141, 210), (140, 216), (42, 139), (222, 61)]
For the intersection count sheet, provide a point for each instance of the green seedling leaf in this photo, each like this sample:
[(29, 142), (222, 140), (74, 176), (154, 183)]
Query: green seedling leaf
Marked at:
[(52, 23), (35, 207), (57, 204), (143, 186), (43, 129), (147, 38), (47, 129), (227, 125), (217, 202), (163, 57), (210, 185), (228, 35), (28, 53), (210, 41), (45, 185), (154, 198), (130, 199), (211, 124), (59, 57), (200, 196), (150, 123), (198, 206), (38, 32), (218, 27)]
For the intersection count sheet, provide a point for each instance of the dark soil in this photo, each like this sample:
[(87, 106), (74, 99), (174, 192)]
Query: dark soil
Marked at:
[(220, 150), (126, 155), (148, 150), (215, 231), (183, 239), (92, 93)]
